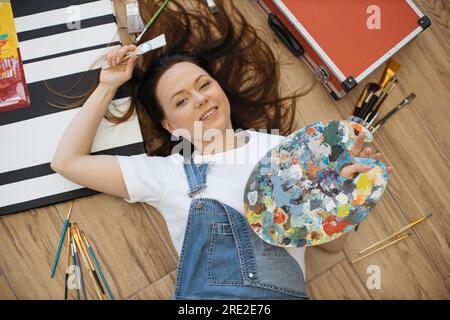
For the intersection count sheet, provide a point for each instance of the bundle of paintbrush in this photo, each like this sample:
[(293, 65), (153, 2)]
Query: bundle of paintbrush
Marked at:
[(79, 252), (374, 94)]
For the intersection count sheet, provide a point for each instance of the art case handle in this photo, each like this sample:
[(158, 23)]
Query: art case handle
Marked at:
[(285, 36)]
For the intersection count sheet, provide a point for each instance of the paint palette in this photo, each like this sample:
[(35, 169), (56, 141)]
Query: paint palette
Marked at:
[(295, 195)]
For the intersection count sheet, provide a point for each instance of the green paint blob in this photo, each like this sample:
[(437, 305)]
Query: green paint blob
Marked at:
[(331, 133)]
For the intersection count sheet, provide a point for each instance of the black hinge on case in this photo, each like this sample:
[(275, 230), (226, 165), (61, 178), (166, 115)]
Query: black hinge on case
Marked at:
[(283, 33), (424, 22), (348, 84)]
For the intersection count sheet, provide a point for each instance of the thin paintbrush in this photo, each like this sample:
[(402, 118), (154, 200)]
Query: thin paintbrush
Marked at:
[(97, 265), (61, 240), (407, 227), (381, 248), (74, 263), (84, 249), (155, 16), (373, 114), (80, 274), (85, 261), (373, 87), (68, 262), (405, 102), (369, 105), (361, 100)]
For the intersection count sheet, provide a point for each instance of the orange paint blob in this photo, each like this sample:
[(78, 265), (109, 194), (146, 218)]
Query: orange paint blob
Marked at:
[(359, 200)]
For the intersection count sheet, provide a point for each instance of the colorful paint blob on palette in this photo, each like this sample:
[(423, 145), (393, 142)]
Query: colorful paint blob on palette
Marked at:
[(295, 195)]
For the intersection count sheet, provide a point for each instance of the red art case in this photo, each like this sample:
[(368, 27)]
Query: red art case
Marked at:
[(344, 41)]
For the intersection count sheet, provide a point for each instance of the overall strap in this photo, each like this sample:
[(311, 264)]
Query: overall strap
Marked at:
[(196, 177)]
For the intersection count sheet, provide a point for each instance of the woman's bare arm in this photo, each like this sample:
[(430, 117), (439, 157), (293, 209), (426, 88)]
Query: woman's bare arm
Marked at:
[(72, 158)]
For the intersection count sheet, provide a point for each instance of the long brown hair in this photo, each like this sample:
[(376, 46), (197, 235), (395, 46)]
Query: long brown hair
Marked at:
[(229, 49)]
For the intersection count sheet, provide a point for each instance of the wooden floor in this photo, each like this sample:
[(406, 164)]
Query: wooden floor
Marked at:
[(132, 241)]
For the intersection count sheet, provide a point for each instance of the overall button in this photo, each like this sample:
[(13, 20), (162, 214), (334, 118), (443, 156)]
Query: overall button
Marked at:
[(250, 275), (199, 204)]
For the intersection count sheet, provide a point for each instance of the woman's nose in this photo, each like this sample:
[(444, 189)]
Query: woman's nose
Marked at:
[(200, 98)]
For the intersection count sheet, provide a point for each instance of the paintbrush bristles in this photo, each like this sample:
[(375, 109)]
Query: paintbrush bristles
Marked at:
[(394, 65), (70, 210), (135, 23)]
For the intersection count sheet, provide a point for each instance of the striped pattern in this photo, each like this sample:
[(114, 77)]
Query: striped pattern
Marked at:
[(57, 55)]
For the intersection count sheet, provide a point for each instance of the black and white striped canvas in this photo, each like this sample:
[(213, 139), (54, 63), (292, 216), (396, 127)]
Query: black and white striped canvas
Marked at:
[(59, 40)]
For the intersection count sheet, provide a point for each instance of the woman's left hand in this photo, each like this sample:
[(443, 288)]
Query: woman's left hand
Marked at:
[(352, 169)]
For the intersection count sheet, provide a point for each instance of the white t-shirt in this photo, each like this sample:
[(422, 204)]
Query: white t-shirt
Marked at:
[(162, 183)]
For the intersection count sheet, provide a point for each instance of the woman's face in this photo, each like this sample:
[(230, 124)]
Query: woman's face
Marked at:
[(190, 99)]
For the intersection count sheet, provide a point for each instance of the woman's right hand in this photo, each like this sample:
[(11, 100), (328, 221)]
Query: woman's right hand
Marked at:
[(117, 73)]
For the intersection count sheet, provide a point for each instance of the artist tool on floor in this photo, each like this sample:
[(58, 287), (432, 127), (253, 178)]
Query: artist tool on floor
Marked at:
[(79, 249), (402, 104), (397, 236), (152, 20), (373, 96), (97, 265), (61, 239), (69, 256), (135, 23), (343, 42), (74, 269), (80, 281), (153, 44), (212, 6)]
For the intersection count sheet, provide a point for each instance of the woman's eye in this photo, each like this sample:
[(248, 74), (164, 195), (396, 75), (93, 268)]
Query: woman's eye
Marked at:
[(181, 102), (204, 85)]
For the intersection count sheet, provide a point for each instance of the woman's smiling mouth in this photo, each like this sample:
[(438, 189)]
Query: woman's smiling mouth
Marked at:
[(209, 113)]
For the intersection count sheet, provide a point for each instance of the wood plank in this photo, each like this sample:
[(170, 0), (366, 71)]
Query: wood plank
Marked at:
[(160, 226), (439, 13), (132, 253), (160, 290), (317, 261), (407, 272), (6, 292), (340, 282), (29, 242)]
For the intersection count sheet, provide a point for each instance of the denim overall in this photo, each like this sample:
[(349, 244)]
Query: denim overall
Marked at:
[(222, 258)]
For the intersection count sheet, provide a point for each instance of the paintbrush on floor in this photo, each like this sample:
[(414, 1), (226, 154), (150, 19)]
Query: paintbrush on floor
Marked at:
[(212, 6), (392, 236), (97, 265), (376, 108), (69, 255), (396, 109), (61, 240), (135, 23), (151, 21)]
